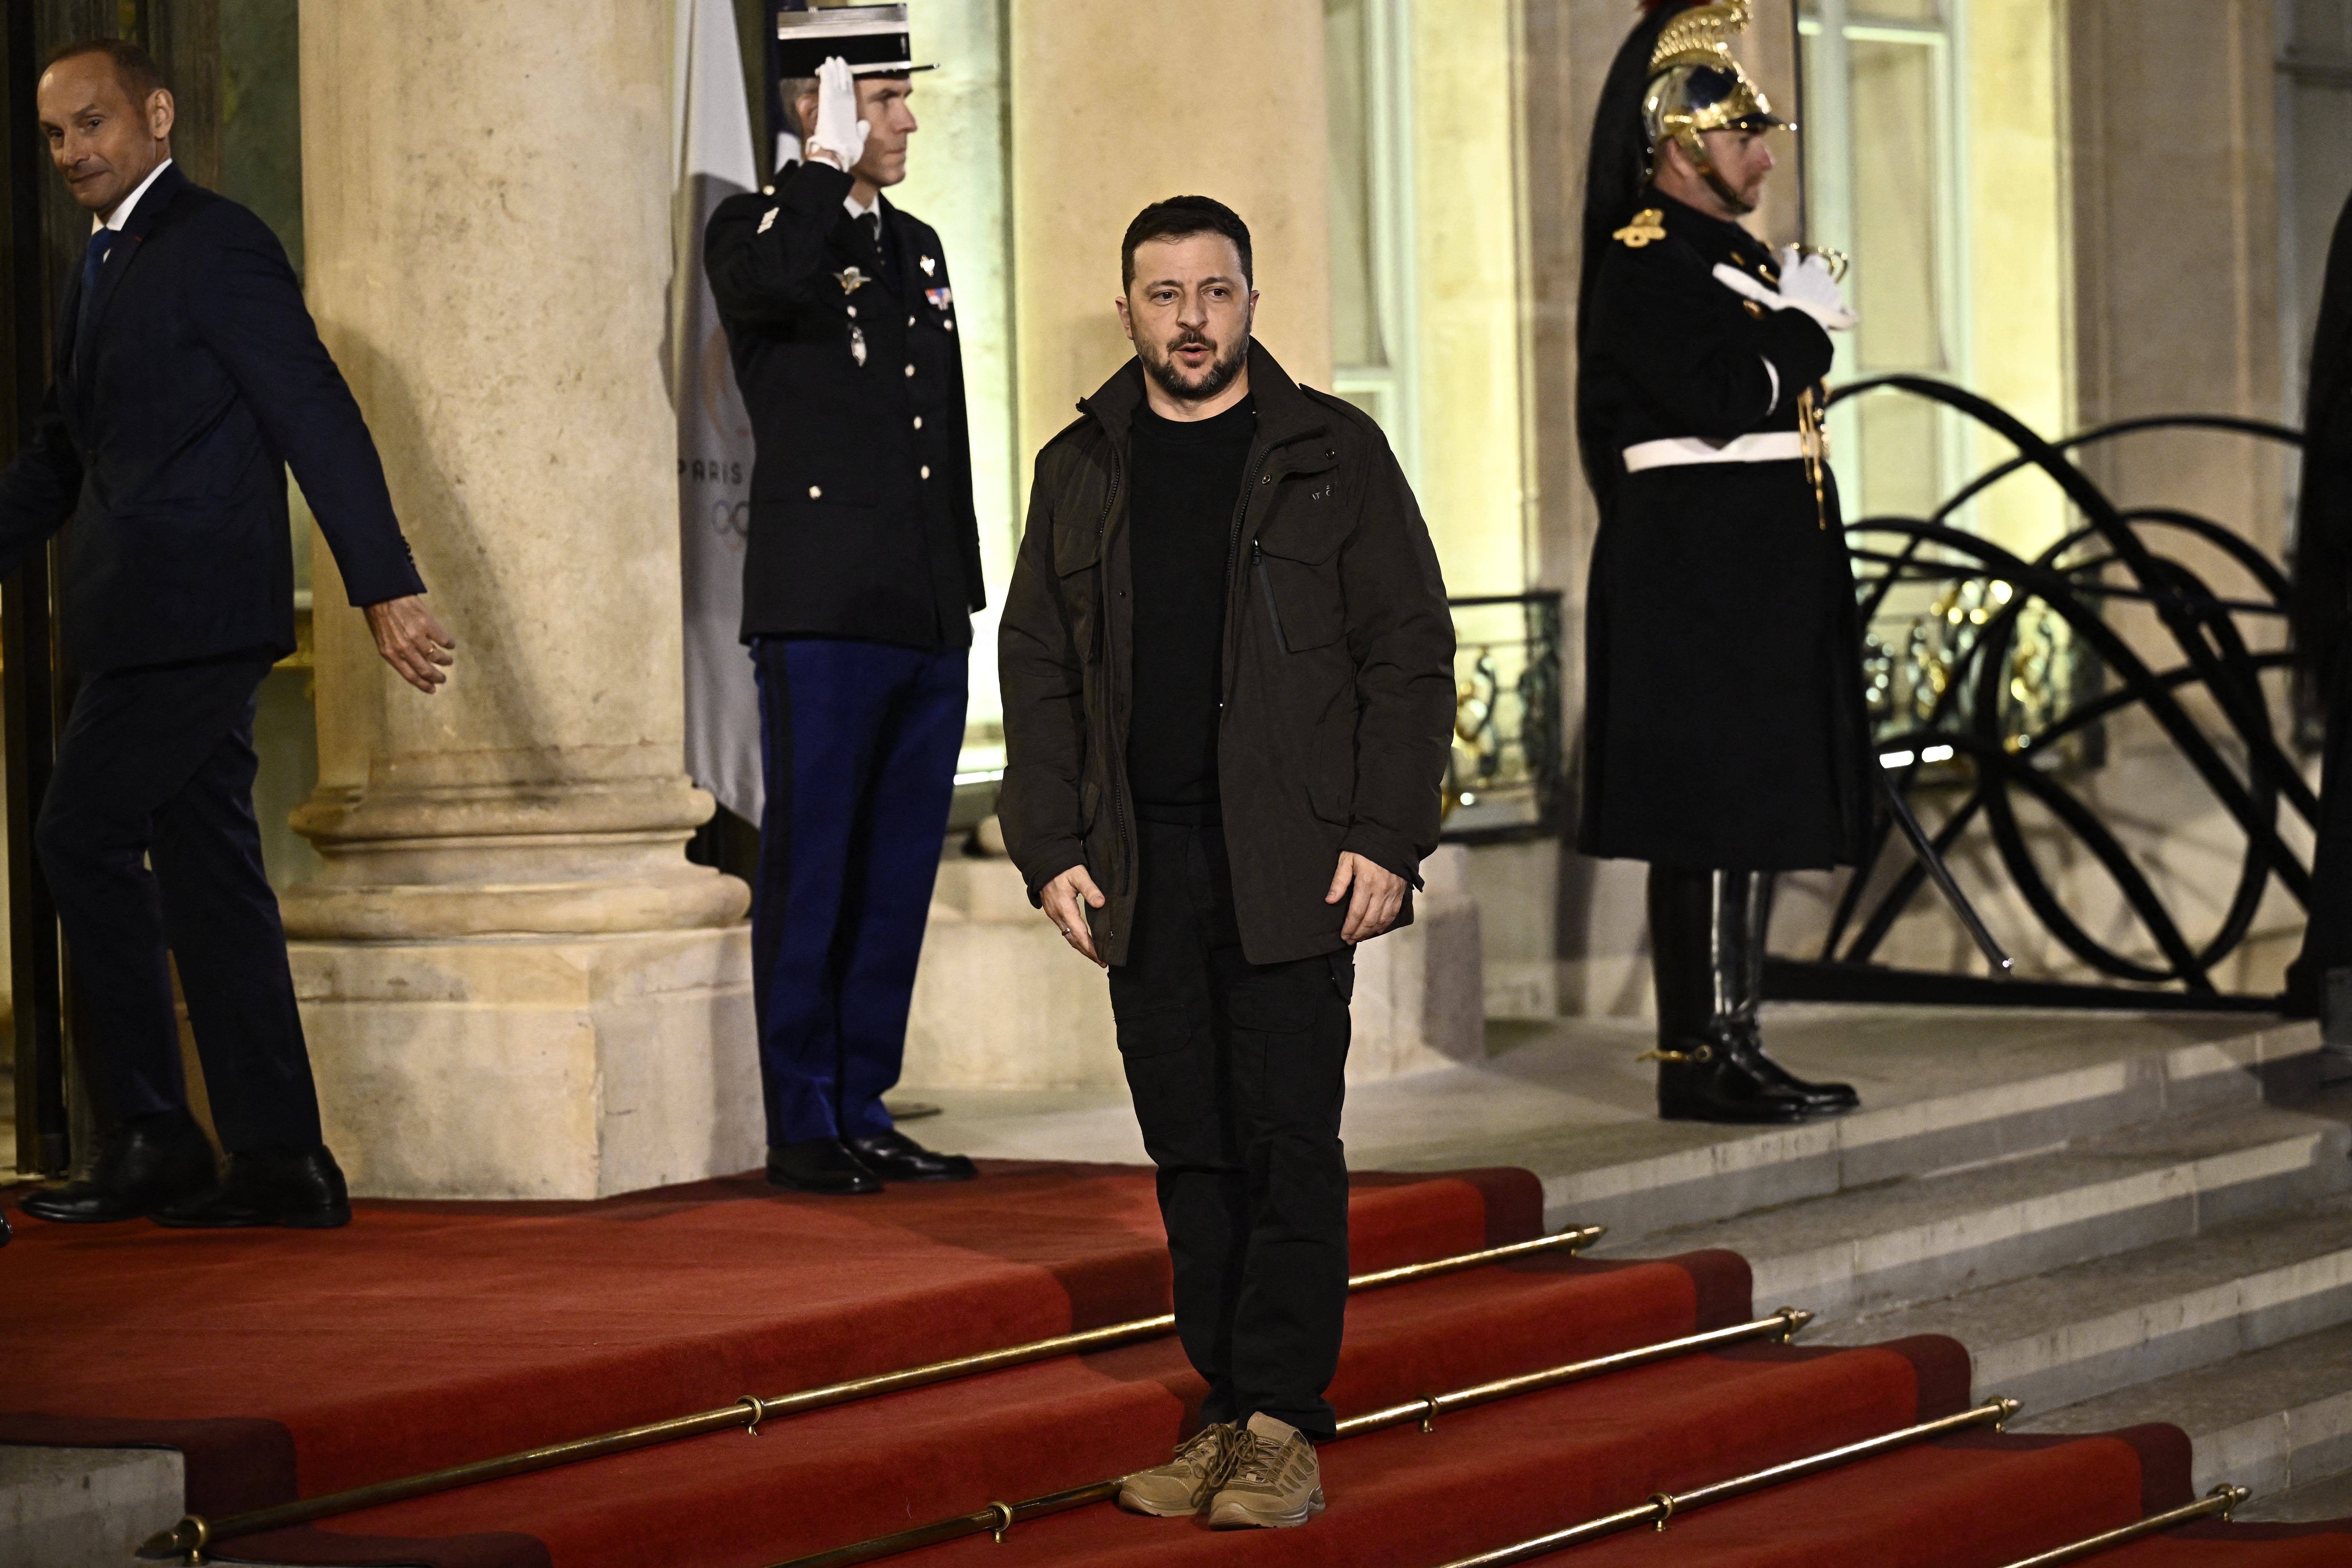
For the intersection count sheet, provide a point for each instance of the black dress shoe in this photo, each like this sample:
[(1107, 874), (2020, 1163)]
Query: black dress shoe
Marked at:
[(820, 1165), (1708, 1084), (894, 1157), (301, 1188), (1823, 1099), (143, 1165)]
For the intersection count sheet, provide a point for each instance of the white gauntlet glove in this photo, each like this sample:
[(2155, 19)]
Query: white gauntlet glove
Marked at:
[(1805, 285), (840, 135)]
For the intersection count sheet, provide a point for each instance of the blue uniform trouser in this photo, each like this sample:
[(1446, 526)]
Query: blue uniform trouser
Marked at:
[(859, 742)]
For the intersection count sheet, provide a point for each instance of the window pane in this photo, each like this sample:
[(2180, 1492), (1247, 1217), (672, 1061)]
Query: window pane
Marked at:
[(1896, 10), (1355, 302), (1895, 213)]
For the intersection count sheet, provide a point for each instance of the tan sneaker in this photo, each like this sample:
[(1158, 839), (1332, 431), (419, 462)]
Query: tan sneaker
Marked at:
[(1275, 1482), (1183, 1484)]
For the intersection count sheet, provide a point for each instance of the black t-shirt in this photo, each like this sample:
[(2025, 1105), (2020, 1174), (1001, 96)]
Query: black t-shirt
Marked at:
[(1187, 487)]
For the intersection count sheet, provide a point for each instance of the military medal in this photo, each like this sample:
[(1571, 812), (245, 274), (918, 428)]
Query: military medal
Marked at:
[(928, 266), (858, 343), (851, 279), (939, 298), (1647, 228)]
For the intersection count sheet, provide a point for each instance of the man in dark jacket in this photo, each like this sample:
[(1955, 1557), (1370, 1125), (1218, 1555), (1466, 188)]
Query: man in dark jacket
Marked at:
[(188, 378), (860, 575), (1228, 695), (1723, 728)]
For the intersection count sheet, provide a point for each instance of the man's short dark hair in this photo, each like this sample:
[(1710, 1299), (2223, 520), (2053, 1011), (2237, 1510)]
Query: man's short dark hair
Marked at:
[(134, 68), (1180, 217)]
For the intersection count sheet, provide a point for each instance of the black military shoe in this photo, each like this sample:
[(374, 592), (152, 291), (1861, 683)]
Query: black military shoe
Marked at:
[(820, 1165), (301, 1188), (894, 1157), (143, 1165), (1702, 1081), (1823, 1099)]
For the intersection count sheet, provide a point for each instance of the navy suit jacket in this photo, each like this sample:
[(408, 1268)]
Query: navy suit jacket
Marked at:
[(195, 379)]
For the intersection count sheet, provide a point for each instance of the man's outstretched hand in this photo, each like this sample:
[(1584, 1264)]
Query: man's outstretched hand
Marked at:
[(1379, 894), (1066, 898), (412, 641)]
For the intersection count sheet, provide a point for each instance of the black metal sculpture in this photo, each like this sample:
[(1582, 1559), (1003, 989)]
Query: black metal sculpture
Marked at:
[(1971, 735)]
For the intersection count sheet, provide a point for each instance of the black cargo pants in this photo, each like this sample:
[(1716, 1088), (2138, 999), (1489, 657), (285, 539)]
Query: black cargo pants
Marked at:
[(1236, 1069)]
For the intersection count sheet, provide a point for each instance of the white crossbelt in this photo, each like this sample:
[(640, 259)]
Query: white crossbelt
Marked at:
[(1766, 447)]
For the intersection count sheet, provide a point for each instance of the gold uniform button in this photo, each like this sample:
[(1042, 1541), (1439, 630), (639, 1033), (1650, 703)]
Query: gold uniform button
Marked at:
[(911, 370), (910, 321), (852, 312), (927, 471), (918, 421), (815, 492), (948, 323)]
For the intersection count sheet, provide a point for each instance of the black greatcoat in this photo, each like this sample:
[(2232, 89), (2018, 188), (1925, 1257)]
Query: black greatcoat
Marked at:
[(862, 519), (1723, 723)]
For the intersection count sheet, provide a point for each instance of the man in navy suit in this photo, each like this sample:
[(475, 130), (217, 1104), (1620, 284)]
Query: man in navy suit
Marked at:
[(188, 377)]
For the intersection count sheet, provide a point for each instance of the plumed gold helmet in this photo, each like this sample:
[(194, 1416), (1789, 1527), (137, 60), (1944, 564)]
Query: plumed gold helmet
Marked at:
[(1696, 87)]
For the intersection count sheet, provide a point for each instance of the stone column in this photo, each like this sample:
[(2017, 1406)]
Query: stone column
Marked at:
[(515, 984)]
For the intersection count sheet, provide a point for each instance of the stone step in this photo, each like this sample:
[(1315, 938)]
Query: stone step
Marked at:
[(85, 1507), (1902, 1242), (2308, 1503), (2078, 1333), (2274, 1420), (1629, 1178)]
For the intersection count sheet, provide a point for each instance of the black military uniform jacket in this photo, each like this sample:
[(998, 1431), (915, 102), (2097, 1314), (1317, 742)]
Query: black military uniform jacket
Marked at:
[(1722, 720), (862, 523)]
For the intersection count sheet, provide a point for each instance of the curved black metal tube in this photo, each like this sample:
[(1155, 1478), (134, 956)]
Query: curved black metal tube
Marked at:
[(1970, 713)]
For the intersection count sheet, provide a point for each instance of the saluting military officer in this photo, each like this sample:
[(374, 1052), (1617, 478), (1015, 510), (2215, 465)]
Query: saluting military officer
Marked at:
[(860, 576), (1723, 723)]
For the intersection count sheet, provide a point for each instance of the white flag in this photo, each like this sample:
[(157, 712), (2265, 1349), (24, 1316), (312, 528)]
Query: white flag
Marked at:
[(714, 433)]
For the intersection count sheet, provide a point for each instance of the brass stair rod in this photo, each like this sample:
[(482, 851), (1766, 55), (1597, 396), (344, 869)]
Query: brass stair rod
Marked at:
[(999, 1517), (1666, 1506), (194, 1533), (2223, 1502)]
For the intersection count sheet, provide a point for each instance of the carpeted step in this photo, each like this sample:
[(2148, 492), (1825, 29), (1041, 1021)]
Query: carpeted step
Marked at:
[(430, 1334), (2269, 1420), (1978, 1501), (817, 1480), (2076, 1333), (1877, 1248), (1400, 1497)]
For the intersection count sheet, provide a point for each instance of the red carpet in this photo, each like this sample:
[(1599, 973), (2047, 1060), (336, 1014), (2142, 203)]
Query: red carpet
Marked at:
[(428, 1334)]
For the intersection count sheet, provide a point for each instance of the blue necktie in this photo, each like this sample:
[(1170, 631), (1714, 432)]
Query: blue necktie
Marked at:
[(92, 261)]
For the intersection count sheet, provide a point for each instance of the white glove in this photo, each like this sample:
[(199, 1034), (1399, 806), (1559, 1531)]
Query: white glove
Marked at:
[(1807, 284), (840, 135)]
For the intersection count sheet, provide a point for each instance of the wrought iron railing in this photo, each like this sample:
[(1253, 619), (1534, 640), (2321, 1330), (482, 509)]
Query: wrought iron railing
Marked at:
[(1505, 779), (2002, 690)]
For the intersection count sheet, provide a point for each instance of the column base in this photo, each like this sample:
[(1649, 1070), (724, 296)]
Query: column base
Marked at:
[(551, 1066)]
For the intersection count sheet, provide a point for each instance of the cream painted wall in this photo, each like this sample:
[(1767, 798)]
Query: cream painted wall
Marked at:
[(1114, 106), (1475, 487), (2021, 352)]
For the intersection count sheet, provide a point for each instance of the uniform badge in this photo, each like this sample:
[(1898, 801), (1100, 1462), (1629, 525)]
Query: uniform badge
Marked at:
[(851, 279), (1647, 228), (941, 298), (928, 266), (768, 219), (857, 344)]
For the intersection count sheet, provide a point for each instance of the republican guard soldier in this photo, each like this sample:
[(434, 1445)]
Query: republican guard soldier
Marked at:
[(860, 575), (1724, 724)]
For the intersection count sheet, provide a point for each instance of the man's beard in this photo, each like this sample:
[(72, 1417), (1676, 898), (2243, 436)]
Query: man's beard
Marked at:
[(1214, 379)]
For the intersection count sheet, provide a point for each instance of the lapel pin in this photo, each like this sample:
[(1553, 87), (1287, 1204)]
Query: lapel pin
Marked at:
[(930, 266), (768, 219)]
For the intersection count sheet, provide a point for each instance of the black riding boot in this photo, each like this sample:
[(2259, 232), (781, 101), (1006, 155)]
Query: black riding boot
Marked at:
[(1710, 1069), (1745, 915)]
